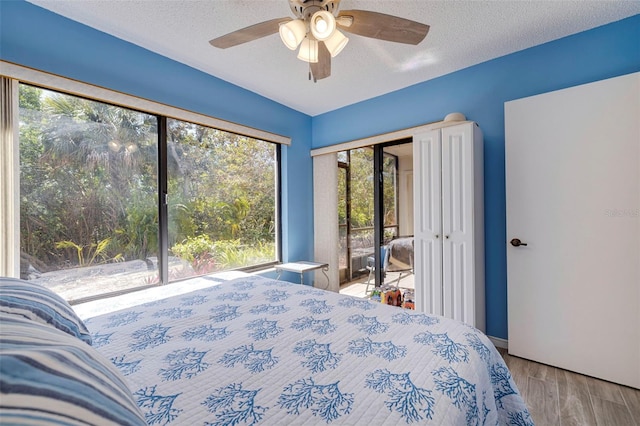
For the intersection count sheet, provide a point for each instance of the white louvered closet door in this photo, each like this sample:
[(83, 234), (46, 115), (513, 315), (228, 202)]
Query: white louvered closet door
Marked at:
[(427, 221), (449, 223), (457, 223)]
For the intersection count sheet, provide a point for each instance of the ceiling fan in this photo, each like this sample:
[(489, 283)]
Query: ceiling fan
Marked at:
[(315, 30)]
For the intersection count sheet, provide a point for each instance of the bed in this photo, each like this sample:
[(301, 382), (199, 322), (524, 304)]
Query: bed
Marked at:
[(253, 351)]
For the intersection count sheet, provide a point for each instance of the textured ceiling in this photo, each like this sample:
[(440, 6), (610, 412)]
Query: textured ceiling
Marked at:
[(463, 33)]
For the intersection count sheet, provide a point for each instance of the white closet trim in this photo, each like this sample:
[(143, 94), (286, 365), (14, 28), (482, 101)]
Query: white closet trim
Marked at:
[(409, 132)]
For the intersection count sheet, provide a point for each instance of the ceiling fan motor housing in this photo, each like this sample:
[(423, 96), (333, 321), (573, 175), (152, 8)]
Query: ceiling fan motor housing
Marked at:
[(304, 9)]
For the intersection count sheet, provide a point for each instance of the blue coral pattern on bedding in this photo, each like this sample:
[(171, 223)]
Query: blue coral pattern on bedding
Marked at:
[(255, 351)]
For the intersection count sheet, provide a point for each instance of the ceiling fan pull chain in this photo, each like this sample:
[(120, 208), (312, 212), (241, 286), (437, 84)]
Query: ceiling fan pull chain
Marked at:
[(311, 73)]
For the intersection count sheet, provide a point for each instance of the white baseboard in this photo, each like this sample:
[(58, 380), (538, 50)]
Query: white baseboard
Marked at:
[(499, 343)]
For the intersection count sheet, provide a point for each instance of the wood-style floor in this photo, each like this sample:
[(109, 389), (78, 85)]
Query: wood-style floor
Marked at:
[(559, 397)]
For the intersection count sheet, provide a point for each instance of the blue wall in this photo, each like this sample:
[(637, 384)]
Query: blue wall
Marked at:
[(36, 38), (480, 92)]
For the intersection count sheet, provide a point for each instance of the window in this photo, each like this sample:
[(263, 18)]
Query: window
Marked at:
[(89, 197), (88, 188), (222, 200)]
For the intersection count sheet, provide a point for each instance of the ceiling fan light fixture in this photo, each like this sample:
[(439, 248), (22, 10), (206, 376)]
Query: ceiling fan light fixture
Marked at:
[(323, 25), (308, 50), (336, 43), (316, 32), (292, 33)]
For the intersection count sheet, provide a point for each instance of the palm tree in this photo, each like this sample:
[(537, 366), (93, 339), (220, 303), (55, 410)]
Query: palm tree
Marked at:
[(94, 162)]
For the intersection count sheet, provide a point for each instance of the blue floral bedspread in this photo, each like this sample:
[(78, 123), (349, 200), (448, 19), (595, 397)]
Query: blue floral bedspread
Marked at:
[(255, 351)]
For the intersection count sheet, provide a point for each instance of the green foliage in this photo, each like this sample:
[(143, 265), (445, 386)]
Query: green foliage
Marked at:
[(205, 254), (199, 251), (362, 187), (139, 235), (76, 184), (231, 254), (88, 254), (89, 173), (29, 98), (389, 190), (225, 181), (360, 164), (193, 247)]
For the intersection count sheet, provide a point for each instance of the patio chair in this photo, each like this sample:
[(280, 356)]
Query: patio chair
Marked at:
[(371, 267)]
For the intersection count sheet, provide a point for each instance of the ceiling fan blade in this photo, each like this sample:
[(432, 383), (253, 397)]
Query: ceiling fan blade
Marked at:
[(249, 33), (383, 27), (322, 68)]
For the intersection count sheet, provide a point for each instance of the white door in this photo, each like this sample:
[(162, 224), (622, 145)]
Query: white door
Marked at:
[(457, 223), (573, 197), (427, 222)]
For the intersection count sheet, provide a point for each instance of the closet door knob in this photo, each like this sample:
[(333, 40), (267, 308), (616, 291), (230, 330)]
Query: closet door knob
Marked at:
[(517, 243)]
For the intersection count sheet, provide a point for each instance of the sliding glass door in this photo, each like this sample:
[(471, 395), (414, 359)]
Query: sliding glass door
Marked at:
[(369, 203), (361, 209), (344, 219)]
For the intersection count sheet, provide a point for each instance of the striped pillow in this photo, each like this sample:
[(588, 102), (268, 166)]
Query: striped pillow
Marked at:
[(49, 377), (38, 303)]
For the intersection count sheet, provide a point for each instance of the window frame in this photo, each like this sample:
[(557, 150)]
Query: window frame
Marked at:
[(15, 75)]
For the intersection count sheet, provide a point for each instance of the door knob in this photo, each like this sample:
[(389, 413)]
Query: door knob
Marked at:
[(517, 243)]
